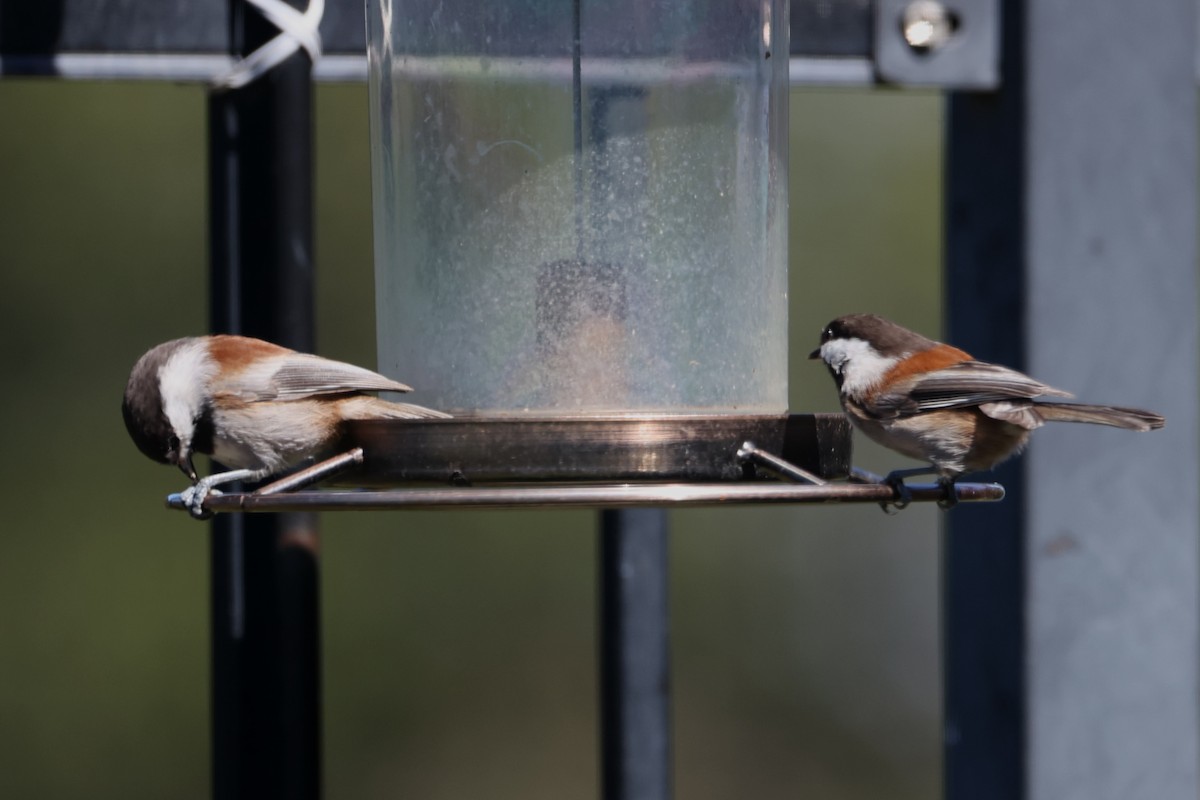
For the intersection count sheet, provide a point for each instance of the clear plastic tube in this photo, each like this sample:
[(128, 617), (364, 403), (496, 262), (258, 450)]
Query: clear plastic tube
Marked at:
[(582, 210)]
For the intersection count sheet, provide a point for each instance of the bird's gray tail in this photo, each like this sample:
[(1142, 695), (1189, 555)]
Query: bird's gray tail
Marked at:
[(1133, 419)]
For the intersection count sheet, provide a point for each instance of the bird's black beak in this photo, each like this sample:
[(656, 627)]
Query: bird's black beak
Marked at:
[(814, 355), (185, 466)]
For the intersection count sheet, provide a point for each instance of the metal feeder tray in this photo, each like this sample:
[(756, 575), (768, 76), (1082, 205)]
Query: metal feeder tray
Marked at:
[(588, 462)]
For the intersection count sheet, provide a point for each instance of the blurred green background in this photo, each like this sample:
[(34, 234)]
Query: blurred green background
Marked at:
[(459, 654)]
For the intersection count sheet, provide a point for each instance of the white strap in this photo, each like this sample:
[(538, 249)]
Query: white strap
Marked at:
[(296, 30)]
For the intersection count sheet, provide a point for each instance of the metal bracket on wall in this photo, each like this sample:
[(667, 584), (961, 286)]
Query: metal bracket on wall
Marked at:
[(947, 44)]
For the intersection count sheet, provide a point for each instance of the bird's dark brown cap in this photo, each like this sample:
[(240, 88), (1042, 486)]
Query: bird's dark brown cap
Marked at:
[(142, 405), (888, 338)]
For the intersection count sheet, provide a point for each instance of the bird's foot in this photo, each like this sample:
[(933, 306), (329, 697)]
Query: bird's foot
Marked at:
[(903, 496), (949, 494), (194, 496)]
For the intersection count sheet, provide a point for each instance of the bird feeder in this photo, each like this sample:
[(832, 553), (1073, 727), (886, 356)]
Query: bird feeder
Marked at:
[(580, 218)]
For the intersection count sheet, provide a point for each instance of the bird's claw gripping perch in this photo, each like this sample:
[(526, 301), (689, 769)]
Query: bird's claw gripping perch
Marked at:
[(903, 494), (949, 494), (193, 499)]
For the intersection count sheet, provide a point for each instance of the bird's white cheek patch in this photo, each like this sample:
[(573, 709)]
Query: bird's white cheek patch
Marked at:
[(181, 381), (859, 364)]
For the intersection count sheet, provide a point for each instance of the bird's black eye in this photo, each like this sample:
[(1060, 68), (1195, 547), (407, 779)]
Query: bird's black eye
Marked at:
[(826, 334), (173, 444)]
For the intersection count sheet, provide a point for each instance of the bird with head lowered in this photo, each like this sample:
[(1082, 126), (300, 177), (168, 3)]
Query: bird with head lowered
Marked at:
[(256, 407)]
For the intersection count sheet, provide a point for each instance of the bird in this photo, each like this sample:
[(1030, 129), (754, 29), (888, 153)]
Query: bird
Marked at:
[(254, 406), (936, 403)]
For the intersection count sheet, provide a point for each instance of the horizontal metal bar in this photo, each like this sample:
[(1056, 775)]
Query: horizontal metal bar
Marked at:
[(832, 71), (612, 496), (202, 68), (819, 28), (177, 67), (182, 67)]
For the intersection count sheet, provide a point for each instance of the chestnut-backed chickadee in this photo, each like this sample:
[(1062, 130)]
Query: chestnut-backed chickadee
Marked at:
[(935, 403), (253, 406)]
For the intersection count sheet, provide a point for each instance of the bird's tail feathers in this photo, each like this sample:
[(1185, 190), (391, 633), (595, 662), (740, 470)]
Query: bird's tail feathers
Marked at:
[(1133, 419), (367, 407)]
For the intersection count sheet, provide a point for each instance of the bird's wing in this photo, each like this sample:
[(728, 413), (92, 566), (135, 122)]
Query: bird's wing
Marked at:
[(967, 383), (295, 376), (301, 375)]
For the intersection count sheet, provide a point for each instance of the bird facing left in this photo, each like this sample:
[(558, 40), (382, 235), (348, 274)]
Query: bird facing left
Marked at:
[(256, 407), (934, 402)]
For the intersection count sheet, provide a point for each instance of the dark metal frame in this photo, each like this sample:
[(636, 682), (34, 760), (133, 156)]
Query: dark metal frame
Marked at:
[(266, 698)]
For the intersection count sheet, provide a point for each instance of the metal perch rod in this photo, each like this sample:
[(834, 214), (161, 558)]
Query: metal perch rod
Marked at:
[(614, 496)]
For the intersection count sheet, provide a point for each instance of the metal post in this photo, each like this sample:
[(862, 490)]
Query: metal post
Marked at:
[(265, 635), (635, 699), (983, 564), (1071, 610)]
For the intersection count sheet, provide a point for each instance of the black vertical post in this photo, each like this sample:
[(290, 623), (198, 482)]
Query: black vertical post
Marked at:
[(264, 583), (635, 696), (983, 561), (1071, 610)]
